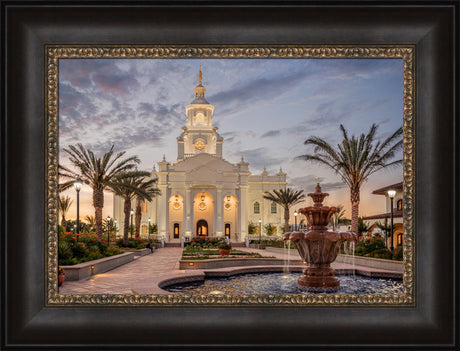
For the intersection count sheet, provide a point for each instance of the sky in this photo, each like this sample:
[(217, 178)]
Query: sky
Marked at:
[(264, 108)]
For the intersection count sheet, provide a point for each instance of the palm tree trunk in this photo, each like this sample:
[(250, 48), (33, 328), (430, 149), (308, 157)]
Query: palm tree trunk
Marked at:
[(98, 203), (138, 217), (127, 211), (354, 194), (286, 219)]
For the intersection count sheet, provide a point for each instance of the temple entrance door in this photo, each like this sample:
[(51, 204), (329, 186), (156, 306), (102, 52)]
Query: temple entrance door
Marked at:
[(202, 228)]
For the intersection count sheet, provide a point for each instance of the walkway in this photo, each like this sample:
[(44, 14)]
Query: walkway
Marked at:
[(121, 279), (163, 262)]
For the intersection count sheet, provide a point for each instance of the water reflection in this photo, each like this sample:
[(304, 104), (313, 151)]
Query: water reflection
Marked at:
[(282, 283)]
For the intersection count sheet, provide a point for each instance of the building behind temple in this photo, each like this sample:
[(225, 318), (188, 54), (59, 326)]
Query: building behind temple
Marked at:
[(201, 192)]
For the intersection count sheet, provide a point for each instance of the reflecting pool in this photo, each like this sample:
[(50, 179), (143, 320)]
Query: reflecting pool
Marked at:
[(284, 283)]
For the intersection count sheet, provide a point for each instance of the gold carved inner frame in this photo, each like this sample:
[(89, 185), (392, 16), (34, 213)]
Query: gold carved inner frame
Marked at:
[(406, 53)]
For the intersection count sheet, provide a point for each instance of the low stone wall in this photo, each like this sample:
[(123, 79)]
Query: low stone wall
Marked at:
[(140, 252), (84, 270), (233, 262), (390, 265)]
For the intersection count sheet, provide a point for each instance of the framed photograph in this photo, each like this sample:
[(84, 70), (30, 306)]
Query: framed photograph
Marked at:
[(137, 95)]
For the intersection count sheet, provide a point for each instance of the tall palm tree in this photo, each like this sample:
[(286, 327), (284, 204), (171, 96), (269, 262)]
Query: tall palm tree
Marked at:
[(128, 186), (98, 172), (149, 186), (355, 159), (286, 199), (64, 206)]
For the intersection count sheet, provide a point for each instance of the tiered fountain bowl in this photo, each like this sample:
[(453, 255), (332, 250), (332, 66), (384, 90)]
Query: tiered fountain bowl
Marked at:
[(319, 247)]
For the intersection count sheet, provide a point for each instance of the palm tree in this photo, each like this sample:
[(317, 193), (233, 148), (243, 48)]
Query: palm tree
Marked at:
[(356, 159), (286, 199), (149, 186), (64, 206), (128, 186), (97, 172), (90, 221), (337, 216)]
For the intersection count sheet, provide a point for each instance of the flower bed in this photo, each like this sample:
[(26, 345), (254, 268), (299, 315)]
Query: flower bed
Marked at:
[(79, 248)]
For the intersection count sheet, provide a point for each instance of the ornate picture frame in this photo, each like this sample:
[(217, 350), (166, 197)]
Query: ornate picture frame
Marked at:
[(406, 53)]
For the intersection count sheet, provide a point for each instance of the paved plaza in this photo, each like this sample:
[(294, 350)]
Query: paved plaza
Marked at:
[(161, 264)]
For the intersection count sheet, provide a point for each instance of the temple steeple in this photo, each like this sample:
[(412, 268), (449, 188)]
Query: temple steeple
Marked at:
[(199, 135)]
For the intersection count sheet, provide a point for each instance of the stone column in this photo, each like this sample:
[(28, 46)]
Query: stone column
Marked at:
[(243, 212), (188, 211), (218, 216), (163, 209)]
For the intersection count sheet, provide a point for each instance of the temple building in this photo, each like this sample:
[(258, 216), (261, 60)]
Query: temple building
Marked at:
[(201, 192)]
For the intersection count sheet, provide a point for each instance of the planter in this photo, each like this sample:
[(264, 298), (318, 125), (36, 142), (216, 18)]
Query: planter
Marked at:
[(224, 252), (61, 279)]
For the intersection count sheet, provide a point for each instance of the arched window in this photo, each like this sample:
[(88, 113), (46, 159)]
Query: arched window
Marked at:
[(176, 230), (399, 205), (256, 207), (144, 229), (273, 207), (227, 229), (400, 236)]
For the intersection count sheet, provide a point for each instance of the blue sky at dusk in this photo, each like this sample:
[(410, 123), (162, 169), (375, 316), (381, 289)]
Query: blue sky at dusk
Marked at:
[(264, 108)]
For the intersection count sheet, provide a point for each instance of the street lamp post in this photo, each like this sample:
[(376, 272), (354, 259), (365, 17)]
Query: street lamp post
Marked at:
[(77, 185), (132, 228), (108, 230), (295, 219), (260, 231), (391, 194)]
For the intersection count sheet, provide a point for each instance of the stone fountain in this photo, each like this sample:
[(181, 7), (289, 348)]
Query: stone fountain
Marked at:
[(319, 247)]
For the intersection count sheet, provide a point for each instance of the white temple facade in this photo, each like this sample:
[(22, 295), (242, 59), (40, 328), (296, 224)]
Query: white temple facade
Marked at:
[(201, 192)]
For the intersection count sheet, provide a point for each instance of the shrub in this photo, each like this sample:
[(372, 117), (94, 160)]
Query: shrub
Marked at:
[(64, 250), (368, 245), (398, 253), (380, 253), (225, 246)]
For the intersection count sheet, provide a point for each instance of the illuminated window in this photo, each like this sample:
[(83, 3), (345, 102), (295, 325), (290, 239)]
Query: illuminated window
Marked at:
[(256, 207), (144, 206), (273, 207), (400, 239), (399, 205), (144, 229), (227, 229)]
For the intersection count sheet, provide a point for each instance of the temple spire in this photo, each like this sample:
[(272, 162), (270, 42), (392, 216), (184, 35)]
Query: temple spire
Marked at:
[(200, 89)]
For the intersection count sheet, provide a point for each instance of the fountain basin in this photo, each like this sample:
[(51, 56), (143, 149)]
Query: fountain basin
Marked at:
[(282, 283)]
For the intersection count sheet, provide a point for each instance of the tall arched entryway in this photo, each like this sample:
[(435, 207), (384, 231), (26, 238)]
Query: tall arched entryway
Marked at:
[(202, 228), (203, 214), (176, 215), (231, 217)]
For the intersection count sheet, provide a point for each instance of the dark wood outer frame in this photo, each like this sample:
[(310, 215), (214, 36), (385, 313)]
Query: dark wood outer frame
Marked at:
[(27, 28)]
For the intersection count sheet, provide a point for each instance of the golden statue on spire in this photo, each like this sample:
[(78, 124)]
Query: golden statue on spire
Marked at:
[(200, 77)]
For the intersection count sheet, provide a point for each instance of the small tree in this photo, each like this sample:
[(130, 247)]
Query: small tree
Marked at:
[(269, 229), (252, 228)]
